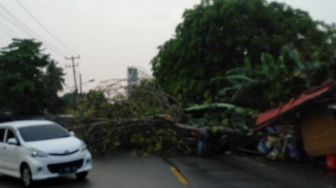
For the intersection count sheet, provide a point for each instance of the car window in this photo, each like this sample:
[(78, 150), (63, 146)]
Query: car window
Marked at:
[(2, 134), (10, 134), (42, 132)]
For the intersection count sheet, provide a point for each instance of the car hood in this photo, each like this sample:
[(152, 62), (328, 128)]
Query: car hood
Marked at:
[(56, 146)]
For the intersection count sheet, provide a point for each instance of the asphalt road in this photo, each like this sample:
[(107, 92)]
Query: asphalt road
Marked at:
[(127, 171), (122, 171), (238, 172)]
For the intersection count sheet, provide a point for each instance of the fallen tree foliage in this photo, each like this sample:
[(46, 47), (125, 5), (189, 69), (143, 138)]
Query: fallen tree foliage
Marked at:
[(141, 118), (142, 136)]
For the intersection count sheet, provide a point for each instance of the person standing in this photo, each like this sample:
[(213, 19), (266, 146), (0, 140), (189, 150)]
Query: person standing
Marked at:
[(202, 141)]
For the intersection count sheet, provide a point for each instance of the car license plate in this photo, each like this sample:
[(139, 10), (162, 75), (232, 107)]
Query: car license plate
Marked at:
[(68, 170)]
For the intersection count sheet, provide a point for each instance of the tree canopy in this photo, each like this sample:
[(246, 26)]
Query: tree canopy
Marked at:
[(29, 79), (219, 35)]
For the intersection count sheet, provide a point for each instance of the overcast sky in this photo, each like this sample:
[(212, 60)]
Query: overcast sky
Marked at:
[(110, 35)]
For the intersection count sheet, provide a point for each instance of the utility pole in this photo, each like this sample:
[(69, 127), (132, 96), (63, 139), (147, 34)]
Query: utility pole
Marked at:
[(73, 65), (80, 84)]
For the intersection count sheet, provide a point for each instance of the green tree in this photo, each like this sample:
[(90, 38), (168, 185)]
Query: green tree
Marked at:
[(53, 82), (149, 100), (218, 35), (94, 104), (68, 98), (271, 82), (265, 86), (29, 79)]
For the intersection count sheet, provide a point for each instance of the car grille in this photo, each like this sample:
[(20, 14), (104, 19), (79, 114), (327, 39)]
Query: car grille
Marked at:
[(64, 167), (62, 154)]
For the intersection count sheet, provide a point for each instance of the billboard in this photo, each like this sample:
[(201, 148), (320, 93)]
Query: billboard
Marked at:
[(132, 75)]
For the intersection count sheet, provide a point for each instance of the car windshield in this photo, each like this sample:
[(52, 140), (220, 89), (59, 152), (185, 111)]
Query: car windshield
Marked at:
[(42, 132)]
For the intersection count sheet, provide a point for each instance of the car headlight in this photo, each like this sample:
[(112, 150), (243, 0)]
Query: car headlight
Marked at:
[(38, 153), (83, 147)]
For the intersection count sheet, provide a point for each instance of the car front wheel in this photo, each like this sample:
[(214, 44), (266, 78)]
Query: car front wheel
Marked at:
[(82, 175), (26, 176)]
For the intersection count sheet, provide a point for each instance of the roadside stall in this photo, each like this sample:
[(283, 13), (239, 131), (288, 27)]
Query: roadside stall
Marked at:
[(303, 126)]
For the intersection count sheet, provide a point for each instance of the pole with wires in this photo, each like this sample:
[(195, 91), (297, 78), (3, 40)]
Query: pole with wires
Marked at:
[(80, 85), (73, 65)]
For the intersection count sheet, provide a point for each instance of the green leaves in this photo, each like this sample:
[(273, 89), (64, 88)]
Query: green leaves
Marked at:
[(140, 136), (27, 89), (221, 35), (253, 54), (212, 106), (223, 114)]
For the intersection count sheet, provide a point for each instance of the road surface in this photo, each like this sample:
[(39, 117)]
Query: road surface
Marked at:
[(238, 172), (125, 171), (122, 171)]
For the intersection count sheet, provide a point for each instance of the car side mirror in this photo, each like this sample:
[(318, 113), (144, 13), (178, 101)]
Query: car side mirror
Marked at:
[(72, 133), (13, 141)]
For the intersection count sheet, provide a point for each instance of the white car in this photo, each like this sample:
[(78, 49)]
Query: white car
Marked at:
[(37, 149)]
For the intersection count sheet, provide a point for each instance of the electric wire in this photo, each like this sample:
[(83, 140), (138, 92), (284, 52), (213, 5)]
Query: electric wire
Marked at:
[(43, 27), (8, 31), (24, 28)]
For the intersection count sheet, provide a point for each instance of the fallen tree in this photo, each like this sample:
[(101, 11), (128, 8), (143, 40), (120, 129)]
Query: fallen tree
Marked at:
[(149, 135), (139, 118), (141, 136)]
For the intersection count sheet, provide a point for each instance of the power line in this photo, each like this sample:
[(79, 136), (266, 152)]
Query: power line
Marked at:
[(42, 26), (24, 28), (4, 16), (8, 31)]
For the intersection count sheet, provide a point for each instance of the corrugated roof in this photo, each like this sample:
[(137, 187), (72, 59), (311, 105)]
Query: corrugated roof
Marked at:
[(264, 119)]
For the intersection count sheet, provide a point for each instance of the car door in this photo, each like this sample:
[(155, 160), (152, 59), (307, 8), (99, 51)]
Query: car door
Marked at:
[(11, 153), (2, 145)]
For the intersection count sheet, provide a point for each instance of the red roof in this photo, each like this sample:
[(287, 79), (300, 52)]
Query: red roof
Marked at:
[(268, 117)]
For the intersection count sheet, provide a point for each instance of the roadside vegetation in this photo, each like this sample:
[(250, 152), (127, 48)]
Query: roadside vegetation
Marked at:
[(228, 61), (29, 80), (140, 119)]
